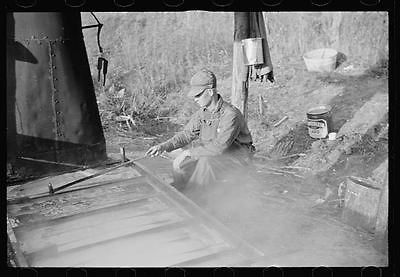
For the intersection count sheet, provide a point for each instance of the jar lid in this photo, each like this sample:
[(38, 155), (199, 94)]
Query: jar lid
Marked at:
[(319, 110)]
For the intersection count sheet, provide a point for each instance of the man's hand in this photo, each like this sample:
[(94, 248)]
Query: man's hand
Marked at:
[(155, 150), (179, 159)]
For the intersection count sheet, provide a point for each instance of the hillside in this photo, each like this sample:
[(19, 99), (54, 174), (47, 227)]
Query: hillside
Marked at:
[(144, 47), (153, 55)]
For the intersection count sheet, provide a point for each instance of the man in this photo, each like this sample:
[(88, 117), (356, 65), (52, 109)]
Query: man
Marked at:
[(225, 140)]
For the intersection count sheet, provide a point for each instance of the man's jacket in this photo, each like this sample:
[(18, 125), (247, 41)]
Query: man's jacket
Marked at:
[(222, 130)]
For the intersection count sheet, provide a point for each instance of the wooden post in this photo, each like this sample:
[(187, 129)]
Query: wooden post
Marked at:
[(380, 175), (382, 215), (260, 106), (240, 82)]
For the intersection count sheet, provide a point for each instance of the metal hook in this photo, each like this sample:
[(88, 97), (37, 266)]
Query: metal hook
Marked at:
[(99, 26)]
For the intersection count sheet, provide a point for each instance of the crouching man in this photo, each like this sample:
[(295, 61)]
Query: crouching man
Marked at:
[(225, 145)]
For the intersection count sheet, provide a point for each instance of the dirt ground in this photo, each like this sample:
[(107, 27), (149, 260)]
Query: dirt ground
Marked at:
[(296, 90), (281, 217), (295, 218), (295, 221)]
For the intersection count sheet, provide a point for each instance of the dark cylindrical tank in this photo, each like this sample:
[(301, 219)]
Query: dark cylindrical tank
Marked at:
[(52, 112)]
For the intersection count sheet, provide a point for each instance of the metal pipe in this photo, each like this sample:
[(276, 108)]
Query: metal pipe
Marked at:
[(51, 162), (51, 189), (122, 152), (91, 26), (95, 175)]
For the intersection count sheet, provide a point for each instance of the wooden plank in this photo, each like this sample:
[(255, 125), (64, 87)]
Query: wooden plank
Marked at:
[(39, 188), (21, 261), (177, 199), (170, 231), (44, 235), (379, 174), (228, 256), (89, 251), (97, 174), (66, 240), (40, 185), (161, 248), (77, 202), (46, 195), (381, 227), (161, 167), (62, 219), (52, 253)]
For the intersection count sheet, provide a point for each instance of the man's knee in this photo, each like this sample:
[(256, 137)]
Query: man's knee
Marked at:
[(183, 174)]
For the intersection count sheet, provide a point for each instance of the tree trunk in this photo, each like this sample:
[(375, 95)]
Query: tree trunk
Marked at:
[(240, 71)]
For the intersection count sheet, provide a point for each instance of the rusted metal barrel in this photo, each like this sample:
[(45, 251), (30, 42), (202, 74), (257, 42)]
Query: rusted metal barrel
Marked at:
[(52, 112)]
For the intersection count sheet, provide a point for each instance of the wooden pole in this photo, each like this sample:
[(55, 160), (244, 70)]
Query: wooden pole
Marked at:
[(260, 106), (240, 82), (382, 215)]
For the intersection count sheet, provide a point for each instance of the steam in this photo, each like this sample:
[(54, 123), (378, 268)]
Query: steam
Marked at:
[(289, 231), (234, 199)]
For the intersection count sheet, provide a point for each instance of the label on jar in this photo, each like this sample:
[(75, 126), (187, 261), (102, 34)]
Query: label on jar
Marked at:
[(317, 128)]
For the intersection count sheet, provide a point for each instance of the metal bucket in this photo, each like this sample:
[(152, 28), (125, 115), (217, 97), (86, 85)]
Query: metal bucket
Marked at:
[(321, 60), (361, 203), (252, 51)]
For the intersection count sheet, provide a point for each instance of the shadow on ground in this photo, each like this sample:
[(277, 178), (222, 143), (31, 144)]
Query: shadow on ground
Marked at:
[(340, 59)]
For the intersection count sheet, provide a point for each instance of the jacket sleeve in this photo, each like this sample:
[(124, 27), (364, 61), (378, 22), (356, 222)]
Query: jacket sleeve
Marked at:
[(229, 128), (190, 132)]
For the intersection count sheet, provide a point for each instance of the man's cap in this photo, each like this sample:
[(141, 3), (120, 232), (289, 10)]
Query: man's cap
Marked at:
[(202, 80)]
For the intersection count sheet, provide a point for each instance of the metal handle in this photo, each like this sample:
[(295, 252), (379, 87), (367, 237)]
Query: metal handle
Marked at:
[(94, 175)]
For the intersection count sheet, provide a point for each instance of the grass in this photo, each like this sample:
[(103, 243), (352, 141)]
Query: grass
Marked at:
[(153, 55)]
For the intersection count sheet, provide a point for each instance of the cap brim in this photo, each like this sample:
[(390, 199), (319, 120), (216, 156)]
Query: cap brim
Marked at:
[(195, 90)]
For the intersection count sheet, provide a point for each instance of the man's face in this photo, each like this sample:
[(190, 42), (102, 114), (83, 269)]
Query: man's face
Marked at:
[(203, 99)]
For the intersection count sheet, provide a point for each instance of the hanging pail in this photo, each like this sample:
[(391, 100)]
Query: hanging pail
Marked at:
[(252, 51), (319, 121)]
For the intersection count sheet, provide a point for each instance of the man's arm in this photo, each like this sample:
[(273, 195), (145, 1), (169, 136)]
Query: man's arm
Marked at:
[(229, 128), (190, 132)]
